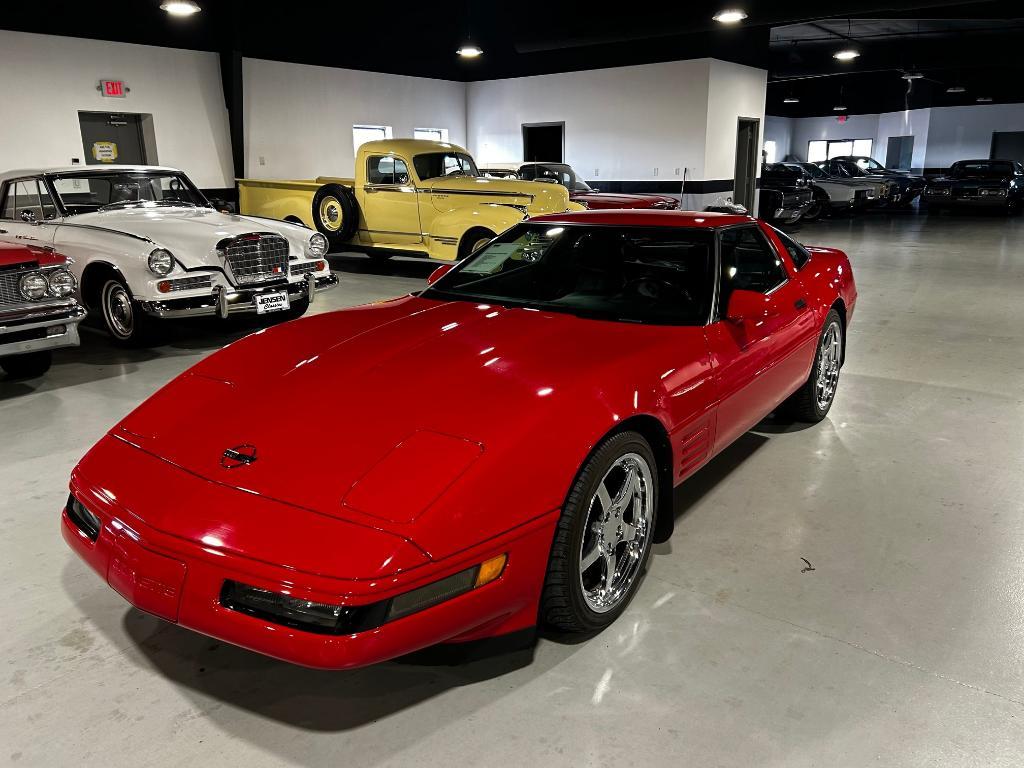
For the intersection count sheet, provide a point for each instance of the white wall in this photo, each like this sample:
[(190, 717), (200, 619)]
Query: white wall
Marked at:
[(965, 133), (734, 91), (806, 129), (299, 118), (620, 123), (49, 79)]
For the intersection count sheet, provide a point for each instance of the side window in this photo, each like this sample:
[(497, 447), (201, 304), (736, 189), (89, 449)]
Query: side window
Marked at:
[(528, 172), (796, 252), (26, 194), (749, 263), (386, 169), (9, 206)]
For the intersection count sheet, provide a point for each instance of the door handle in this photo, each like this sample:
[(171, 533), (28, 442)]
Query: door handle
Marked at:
[(800, 303)]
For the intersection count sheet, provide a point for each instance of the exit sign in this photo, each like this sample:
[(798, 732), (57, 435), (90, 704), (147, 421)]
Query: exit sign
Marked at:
[(114, 88)]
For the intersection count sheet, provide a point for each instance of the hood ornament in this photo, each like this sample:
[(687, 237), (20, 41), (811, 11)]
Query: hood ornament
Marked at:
[(239, 456)]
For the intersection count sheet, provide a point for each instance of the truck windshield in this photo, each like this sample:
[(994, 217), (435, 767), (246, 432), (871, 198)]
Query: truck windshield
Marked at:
[(435, 165), (660, 276), (86, 192)]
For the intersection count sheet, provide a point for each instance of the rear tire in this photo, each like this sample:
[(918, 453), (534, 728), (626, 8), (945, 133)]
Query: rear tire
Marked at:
[(817, 209), (26, 366), (473, 240), (607, 522), (812, 402), (335, 213)]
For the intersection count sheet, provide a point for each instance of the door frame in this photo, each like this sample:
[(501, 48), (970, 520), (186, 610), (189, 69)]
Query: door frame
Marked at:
[(147, 133), (752, 164), (558, 123)]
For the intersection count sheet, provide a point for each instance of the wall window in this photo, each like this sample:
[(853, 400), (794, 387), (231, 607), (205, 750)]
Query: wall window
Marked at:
[(821, 150), (770, 152), (430, 134), (364, 133)]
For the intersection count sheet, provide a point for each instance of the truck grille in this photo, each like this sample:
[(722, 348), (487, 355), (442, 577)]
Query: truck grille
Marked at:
[(257, 258)]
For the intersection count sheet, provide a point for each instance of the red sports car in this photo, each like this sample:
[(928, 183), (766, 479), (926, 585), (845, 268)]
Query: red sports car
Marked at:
[(497, 450)]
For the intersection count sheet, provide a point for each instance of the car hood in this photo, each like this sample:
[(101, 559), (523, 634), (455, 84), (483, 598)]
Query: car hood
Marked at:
[(191, 234), (371, 414), (616, 200), (14, 252), (537, 197)]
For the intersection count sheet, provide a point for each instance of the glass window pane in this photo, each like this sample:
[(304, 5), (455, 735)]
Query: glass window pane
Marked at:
[(431, 134), (862, 147), (364, 133), (769, 152), (817, 151), (748, 263), (839, 148)]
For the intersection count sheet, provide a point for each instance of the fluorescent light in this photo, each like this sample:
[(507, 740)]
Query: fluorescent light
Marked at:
[(180, 7), (956, 89), (912, 75), (791, 100), (730, 16), (839, 108), (984, 99), (847, 54), (469, 51)]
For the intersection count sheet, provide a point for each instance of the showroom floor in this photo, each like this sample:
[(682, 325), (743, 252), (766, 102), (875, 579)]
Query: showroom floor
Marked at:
[(901, 646)]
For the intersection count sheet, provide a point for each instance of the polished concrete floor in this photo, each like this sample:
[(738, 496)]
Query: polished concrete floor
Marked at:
[(904, 646)]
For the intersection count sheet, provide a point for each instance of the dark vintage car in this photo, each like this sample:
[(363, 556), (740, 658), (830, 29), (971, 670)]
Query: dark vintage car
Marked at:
[(579, 190), (785, 194), (38, 312), (904, 188), (991, 184)]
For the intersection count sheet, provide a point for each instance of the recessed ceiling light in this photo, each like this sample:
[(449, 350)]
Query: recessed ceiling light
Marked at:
[(984, 99), (470, 51), (180, 7), (730, 16), (791, 100), (847, 54), (956, 89)]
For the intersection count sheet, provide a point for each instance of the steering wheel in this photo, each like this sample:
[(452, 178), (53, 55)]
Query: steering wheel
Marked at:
[(655, 289), (456, 172), (175, 185)]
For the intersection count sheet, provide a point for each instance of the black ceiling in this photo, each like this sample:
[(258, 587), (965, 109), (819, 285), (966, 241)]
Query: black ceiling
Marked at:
[(794, 41)]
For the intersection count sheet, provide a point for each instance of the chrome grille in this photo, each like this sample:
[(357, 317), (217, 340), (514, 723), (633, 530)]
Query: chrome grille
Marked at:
[(302, 269), (189, 283), (257, 258), (9, 293)]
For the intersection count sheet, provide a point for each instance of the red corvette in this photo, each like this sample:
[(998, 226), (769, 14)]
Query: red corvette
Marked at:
[(499, 449)]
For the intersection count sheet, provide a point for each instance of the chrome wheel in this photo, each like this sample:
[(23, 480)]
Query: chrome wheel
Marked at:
[(117, 310), (615, 537), (829, 355), (330, 213), (479, 244)]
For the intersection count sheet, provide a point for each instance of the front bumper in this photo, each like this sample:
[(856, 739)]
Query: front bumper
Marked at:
[(33, 327), (790, 215), (182, 582), (221, 301), (974, 201)]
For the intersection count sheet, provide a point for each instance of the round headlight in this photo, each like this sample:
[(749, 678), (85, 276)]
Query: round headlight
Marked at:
[(62, 283), (33, 286), (161, 262), (317, 246)]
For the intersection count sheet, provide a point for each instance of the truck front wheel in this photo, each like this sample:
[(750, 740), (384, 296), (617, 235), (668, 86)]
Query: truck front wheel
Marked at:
[(335, 213), (474, 240)]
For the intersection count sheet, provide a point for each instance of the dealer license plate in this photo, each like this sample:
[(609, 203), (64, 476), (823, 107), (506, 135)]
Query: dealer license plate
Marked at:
[(271, 302)]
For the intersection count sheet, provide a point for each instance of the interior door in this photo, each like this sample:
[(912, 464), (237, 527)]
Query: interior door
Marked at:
[(758, 361), (112, 138), (900, 153), (389, 210), (746, 162), (1008, 145), (543, 142)]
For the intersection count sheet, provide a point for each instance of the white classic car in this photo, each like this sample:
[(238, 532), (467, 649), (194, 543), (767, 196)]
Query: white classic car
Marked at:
[(148, 245), (840, 194)]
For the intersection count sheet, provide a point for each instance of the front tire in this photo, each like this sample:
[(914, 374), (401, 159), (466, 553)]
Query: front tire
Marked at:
[(812, 402), (27, 366), (603, 540), (473, 240), (123, 317)]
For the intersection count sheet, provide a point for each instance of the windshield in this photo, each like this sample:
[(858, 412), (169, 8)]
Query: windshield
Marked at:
[(560, 173), (813, 170), (439, 164), (86, 192), (627, 274), (867, 164), (984, 170)]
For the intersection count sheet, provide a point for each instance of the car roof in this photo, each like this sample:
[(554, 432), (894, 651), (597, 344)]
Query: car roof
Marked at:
[(410, 146), (23, 172), (625, 217)]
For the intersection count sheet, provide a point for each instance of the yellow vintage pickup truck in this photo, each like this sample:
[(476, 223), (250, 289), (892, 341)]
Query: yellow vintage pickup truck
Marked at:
[(411, 197)]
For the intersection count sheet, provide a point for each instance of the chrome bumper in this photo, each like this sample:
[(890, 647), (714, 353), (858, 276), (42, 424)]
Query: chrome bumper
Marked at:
[(223, 302), (31, 328)]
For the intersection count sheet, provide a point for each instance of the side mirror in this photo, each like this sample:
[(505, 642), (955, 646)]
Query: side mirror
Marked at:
[(746, 305), (28, 216), (438, 273)]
